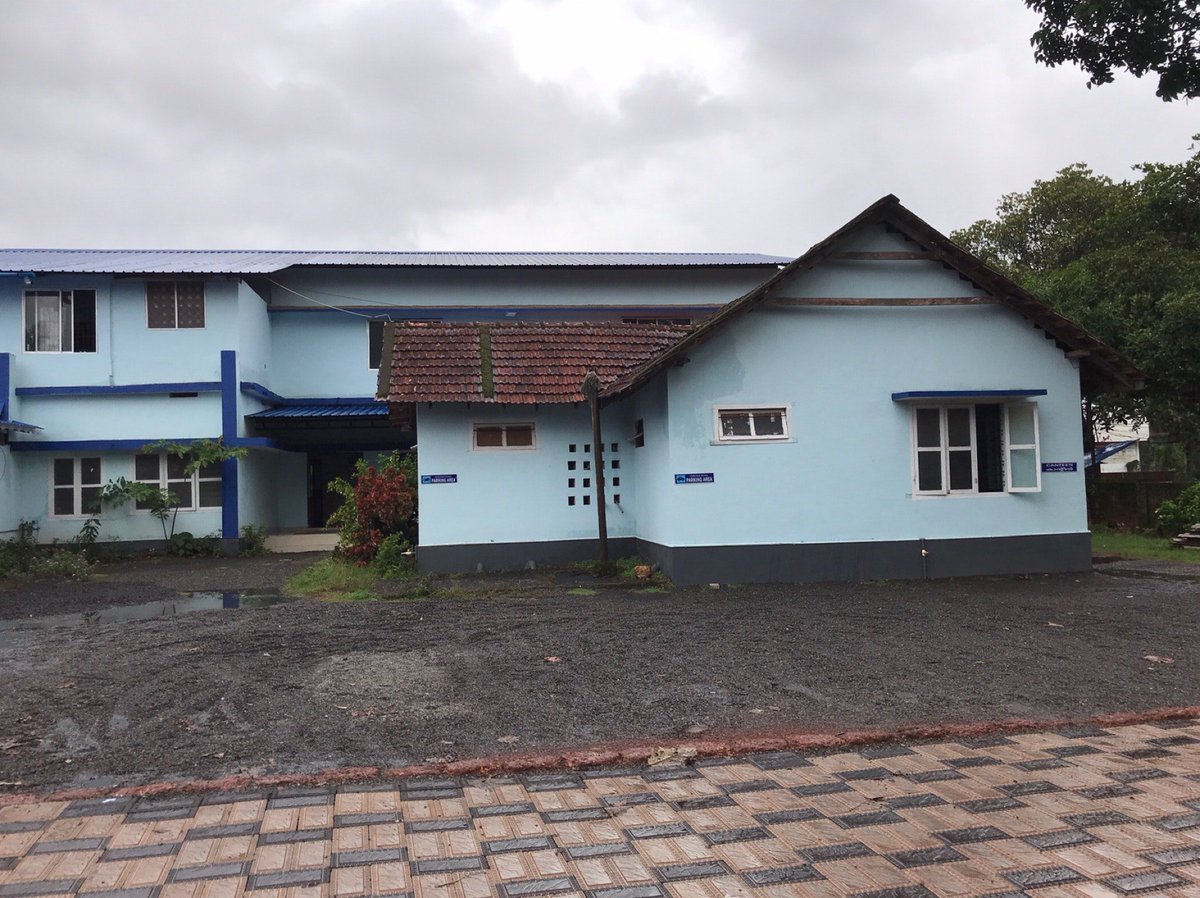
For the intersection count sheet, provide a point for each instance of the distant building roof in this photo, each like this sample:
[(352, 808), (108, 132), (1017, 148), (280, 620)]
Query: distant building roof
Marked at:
[(512, 362), (165, 261)]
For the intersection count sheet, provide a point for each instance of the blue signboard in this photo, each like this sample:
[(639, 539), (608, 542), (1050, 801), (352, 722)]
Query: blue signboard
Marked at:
[(694, 478), (1051, 467), (439, 478)]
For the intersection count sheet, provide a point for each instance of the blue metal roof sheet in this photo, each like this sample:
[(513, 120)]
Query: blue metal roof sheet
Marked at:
[(18, 427), (165, 261), (357, 410)]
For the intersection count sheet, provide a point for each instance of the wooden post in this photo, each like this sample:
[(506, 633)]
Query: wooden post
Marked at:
[(591, 390)]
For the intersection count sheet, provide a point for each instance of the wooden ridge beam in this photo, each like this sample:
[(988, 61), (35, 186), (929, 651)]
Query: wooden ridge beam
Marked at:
[(881, 301), (897, 256)]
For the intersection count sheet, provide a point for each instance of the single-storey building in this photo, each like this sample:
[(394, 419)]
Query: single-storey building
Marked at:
[(883, 406)]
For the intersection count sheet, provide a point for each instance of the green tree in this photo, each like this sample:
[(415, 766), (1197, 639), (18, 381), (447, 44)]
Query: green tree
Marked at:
[(1121, 258), (1159, 36)]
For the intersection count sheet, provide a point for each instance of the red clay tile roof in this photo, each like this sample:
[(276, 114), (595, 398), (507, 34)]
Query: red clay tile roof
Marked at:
[(512, 362)]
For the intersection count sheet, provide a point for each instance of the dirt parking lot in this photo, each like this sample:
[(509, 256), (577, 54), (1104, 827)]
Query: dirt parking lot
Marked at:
[(306, 685)]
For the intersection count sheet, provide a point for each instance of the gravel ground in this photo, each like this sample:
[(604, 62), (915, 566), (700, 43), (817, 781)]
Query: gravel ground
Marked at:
[(146, 579), (296, 687)]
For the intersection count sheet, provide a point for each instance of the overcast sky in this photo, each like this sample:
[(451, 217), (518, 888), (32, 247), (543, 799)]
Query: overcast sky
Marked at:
[(704, 125)]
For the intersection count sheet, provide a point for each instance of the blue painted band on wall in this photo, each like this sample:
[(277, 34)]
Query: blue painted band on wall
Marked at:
[(127, 445), (962, 394), (5, 382), (229, 499), (206, 386)]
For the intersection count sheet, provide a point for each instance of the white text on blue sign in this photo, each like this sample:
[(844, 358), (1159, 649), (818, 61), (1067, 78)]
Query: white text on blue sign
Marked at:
[(1051, 467), (695, 478), (439, 478)]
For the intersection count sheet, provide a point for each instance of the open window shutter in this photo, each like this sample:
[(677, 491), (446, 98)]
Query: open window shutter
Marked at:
[(1023, 469)]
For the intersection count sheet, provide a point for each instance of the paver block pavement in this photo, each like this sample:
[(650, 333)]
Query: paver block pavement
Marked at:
[(1072, 813)]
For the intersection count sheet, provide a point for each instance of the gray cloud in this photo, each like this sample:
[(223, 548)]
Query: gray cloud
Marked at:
[(411, 124)]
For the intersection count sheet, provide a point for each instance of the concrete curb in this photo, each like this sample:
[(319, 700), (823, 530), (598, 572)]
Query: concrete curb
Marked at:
[(722, 744)]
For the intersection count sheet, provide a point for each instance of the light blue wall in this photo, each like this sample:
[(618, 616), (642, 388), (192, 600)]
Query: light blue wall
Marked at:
[(257, 503), (320, 354), (875, 278), (651, 463), (33, 502), (147, 418), (847, 473), (252, 338), (291, 489), (517, 495), (9, 517)]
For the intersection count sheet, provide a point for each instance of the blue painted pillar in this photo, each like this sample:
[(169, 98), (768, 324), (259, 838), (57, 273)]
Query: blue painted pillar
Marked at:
[(229, 467), (5, 385)]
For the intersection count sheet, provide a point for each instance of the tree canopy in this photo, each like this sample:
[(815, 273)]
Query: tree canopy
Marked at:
[(1159, 36), (1121, 258)]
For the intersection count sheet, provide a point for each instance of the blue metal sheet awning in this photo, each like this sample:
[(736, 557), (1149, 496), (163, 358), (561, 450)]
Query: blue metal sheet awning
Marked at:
[(918, 395), (17, 427), (1105, 450), (357, 410)]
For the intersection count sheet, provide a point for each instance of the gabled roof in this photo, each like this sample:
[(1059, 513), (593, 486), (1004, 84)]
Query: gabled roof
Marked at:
[(173, 261), (1101, 366), (520, 363)]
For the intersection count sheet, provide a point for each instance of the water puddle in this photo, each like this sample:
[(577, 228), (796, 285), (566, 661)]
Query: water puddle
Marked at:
[(184, 604)]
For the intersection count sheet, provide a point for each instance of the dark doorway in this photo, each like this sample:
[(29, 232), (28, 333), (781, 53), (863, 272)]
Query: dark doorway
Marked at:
[(322, 468)]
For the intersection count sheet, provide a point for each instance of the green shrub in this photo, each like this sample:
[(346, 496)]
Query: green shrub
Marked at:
[(394, 558), (1176, 515), (60, 563), (23, 557), (378, 502), (254, 540), (188, 545)]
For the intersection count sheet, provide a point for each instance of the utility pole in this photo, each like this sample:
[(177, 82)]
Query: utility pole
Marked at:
[(591, 390)]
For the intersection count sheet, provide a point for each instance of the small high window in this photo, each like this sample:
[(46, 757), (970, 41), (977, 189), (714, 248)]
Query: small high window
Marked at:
[(743, 424), (503, 436), (200, 489), (75, 487), (60, 320), (174, 304)]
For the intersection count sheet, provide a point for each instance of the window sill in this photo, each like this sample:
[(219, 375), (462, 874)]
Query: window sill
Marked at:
[(751, 441), (924, 496)]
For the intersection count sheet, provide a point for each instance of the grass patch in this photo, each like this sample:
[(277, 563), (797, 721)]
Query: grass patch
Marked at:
[(583, 591), (620, 569), (334, 580), (1140, 546)]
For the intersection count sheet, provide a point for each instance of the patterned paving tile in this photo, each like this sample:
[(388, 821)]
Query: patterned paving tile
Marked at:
[(1072, 813)]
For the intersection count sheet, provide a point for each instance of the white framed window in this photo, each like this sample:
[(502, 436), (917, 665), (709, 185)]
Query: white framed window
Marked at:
[(503, 436), (751, 424), (75, 487), (200, 489), (60, 320), (975, 448), (174, 304)]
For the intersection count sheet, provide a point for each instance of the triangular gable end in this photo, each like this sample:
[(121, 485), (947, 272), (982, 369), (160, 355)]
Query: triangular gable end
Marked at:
[(1102, 367)]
